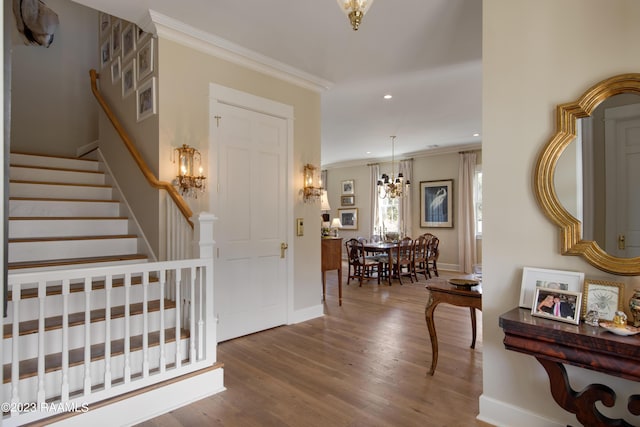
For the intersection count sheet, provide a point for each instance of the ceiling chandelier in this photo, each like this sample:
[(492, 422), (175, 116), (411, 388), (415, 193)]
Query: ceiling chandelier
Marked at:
[(392, 187), (355, 10)]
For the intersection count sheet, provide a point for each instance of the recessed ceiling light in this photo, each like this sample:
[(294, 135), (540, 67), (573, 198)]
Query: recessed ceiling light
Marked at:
[(368, 152), (476, 134), (388, 96)]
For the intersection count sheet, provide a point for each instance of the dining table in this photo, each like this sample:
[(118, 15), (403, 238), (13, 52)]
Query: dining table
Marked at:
[(383, 247)]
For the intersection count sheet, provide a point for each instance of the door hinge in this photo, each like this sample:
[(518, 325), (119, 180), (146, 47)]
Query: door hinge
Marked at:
[(217, 252), (217, 120)]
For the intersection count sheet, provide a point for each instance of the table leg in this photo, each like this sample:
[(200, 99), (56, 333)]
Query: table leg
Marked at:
[(324, 278), (428, 315), (473, 327), (339, 286)]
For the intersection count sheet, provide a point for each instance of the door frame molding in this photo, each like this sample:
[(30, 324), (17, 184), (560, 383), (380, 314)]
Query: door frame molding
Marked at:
[(219, 94)]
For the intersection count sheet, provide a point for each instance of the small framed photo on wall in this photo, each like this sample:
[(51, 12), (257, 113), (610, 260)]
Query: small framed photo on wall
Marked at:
[(348, 200), (348, 187), (349, 218), (146, 99)]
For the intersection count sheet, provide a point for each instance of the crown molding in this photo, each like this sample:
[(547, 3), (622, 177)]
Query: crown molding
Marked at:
[(416, 154), (210, 44)]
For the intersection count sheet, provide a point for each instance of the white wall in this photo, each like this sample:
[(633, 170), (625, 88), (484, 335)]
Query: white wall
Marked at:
[(52, 108), (536, 54)]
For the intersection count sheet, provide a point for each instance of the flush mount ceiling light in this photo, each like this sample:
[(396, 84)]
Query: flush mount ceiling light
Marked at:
[(355, 10)]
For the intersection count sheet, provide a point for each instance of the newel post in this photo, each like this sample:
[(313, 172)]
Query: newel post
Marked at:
[(204, 249)]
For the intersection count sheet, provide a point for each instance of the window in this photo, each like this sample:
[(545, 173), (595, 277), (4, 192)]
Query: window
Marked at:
[(389, 214), (477, 200)]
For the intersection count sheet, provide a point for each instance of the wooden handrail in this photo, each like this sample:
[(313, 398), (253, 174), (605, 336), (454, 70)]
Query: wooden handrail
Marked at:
[(151, 179)]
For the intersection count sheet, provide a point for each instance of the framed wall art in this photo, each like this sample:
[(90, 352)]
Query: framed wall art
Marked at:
[(436, 203), (105, 23), (129, 78), (145, 60), (557, 305), (116, 70), (128, 41), (146, 99), (534, 278), (116, 37), (349, 218), (603, 296), (348, 200), (105, 53), (348, 187)]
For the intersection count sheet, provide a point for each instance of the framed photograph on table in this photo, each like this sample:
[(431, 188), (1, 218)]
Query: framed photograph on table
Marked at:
[(534, 278), (348, 187), (436, 203), (349, 218), (603, 296), (557, 305)]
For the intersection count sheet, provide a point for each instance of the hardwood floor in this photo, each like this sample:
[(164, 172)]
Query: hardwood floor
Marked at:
[(362, 364)]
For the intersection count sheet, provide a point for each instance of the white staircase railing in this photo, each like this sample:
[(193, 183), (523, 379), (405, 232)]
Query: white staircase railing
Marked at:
[(179, 235), (101, 332)]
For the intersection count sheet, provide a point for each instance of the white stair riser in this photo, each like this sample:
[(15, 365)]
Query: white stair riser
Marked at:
[(37, 190), (66, 227), (51, 250), (62, 208), (54, 175), (54, 162), (29, 308), (28, 387), (28, 344)]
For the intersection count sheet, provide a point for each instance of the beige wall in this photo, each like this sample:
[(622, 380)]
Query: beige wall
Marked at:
[(185, 75), (536, 54), (425, 168), (52, 108)]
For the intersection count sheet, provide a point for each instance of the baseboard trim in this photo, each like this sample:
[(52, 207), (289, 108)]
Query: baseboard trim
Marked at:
[(306, 314), (501, 414)]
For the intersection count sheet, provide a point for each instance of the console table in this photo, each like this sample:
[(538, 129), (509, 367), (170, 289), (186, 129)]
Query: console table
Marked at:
[(332, 260), (555, 343)]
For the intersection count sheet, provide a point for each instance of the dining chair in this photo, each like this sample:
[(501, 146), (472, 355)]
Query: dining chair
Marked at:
[(420, 255), (432, 258), (403, 258), (361, 266)]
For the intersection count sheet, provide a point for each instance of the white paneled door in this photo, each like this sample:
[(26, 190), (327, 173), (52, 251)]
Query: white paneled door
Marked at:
[(622, 133), (250, 149)]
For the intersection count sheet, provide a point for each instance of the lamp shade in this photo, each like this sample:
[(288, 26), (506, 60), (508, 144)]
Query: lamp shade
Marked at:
[(336, 223), (324, 201)]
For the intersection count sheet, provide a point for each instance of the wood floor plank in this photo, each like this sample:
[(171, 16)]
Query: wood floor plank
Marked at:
[(364, 363)]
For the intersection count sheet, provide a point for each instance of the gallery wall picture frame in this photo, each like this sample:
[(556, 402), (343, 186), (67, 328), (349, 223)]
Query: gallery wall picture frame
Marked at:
[(146, 99), (348, 218), (116, 70), (141, 34), (145, 60), (436, 203), (348, 187), (567, 303), (105, 23), (347, 200), (129, 78), (105, 53), (128, 41), (116, 37), (604, 296), (534, 278)]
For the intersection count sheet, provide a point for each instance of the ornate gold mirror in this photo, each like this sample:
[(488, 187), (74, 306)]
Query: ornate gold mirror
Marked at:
[(587, 176)]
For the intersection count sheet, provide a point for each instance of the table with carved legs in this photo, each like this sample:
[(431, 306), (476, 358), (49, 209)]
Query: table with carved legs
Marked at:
[(555, 344), (444, 292)]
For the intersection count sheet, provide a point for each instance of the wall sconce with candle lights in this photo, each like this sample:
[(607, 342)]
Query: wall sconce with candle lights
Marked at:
[(186, 181), (312, 190)]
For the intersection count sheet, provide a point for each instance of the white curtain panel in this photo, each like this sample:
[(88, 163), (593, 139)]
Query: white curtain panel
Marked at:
[(406, 203), (466, 212), (374, 170)]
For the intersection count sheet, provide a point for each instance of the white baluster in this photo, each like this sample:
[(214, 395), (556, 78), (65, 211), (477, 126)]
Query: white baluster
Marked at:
[(15, 343), (178, 285), (201, 273), (127, 328), (64, 390), (108, 283), (87, 336), (145, 324), (42, 297), (163, 357), (192, 315)]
